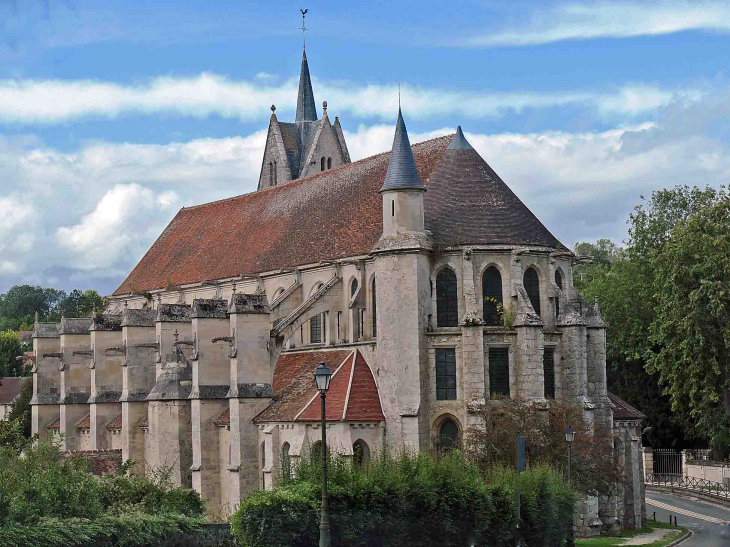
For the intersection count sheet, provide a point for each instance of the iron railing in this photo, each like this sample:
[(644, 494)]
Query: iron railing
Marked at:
[(690, 483)]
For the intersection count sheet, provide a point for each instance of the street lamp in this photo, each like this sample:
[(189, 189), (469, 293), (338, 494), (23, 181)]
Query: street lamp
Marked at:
[(569, 438), (322, 376)]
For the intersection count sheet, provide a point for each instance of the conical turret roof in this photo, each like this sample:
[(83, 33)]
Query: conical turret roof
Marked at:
[(306, 109), (402, 172), (467, 203)]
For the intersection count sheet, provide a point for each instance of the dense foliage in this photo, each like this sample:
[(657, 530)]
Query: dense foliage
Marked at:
[(20, 410), (409, 500), (11, 347), (19, 305), (492, 443), (664, 298)]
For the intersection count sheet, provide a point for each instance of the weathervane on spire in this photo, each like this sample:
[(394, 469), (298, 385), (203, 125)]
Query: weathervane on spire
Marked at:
[(303, 28)]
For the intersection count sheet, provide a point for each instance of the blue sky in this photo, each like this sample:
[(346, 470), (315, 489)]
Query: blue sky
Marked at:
[(113, 115)]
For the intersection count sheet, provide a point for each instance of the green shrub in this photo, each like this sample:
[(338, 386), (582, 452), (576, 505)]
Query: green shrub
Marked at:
[(409, 500)]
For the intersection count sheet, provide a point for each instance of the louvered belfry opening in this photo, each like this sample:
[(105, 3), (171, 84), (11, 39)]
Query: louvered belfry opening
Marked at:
[(492, 295), (447, 303), (548, 365), (532, 286), (499, 371)]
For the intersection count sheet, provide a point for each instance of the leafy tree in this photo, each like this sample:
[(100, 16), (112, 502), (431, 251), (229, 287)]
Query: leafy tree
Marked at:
[(691, 328), (21, 302), (11, 348), (20, 409), (602, 255)]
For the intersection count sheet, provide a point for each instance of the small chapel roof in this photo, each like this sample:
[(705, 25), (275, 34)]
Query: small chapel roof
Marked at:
[(623, 410), (402, 171), (306, 109), (353, 394)]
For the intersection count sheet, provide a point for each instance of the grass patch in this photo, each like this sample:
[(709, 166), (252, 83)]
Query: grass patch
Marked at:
[(624, 535)]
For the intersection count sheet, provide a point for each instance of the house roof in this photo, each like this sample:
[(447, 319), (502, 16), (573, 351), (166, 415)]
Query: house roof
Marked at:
[(353, 395), (10, 388), (275, 228), (466, 203), (623, 410)]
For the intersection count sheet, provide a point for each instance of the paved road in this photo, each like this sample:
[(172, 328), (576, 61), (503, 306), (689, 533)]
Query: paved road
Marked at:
[(710, 523)]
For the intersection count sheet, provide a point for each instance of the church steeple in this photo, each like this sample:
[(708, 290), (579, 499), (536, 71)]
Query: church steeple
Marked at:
[(402, 172), (306, 108)]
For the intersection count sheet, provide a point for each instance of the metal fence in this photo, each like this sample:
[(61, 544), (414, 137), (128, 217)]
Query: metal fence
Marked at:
[(690, 483), (667, 461)]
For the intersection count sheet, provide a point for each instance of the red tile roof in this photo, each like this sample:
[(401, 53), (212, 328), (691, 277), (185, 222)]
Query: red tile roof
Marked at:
[(295, 395), (224, 419), (276, 227), (10, 388), (55, 424), (115, 423), (84, 423), (100, 462), (623, 410)]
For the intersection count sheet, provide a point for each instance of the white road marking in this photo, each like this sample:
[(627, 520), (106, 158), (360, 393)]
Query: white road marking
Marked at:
[(685, 512)]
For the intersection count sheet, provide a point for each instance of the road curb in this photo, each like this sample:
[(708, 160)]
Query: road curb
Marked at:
[(688, 535)]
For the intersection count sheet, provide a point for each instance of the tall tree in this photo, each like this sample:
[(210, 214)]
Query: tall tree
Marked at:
[(11, 348), (21, 302), (691, 327)]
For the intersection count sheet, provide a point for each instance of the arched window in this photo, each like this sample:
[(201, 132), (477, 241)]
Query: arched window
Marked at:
[(360, 452), (315, 329), (375, 312), (321, 164), (285, 460), (353, 288), (492, 295), (448, 435), (532, 286), (447, 302), (329, 163), (559, 279)]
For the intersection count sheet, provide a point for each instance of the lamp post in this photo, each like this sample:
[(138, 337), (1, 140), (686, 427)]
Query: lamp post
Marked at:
[(322, 377), (569, 438)]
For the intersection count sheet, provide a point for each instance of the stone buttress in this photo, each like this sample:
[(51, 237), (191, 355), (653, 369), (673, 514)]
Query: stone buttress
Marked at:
[(46, 377), (106, 377), (75, 382)]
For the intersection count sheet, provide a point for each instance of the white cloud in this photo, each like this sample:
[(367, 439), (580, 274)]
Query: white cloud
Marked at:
[(608, 20), (59, 101)]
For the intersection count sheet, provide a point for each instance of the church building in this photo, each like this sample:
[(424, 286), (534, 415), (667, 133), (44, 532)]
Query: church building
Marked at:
[(417, 275)]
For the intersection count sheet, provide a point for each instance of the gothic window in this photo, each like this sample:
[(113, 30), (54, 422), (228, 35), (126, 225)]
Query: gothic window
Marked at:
[(263, 465), (321, 164), (499, 371), (353, 288), (532, 286), (329, 163), (448, 435), (315, 329), (447, 302), (492, 295), (360, 452), (375, 312), (548, 366), (559, 279), (285, 460), (445, 374)]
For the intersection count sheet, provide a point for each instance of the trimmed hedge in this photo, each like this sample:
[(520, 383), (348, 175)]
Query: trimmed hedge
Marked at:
[(408, 501)]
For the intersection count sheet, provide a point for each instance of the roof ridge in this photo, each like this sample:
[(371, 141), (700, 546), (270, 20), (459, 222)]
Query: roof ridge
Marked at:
[(313, 176)]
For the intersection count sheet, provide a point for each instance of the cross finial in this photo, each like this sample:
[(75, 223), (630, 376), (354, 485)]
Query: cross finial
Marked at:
[(304, 28)]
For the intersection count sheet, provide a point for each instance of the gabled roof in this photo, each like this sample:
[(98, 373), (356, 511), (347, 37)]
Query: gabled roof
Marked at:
[(84, 423), (468, 203), (353, 395), (306, 109), (10, 388), (276, 227), (623, 410), (55, 424)]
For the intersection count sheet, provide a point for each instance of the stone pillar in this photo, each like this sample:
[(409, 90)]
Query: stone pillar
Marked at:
[(211, 377), (106, 377), (170, 444), (649, 461), (528, 365), (250, 390), (139, 336), (75, 378), (46, 377), (272, 455), (573, 368)]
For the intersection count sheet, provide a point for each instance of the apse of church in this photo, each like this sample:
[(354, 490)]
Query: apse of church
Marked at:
[(392, 269)]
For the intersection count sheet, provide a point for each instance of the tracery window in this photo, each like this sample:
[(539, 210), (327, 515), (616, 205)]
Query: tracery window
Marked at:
[(499, 371), (445, 374), (447, 300), (492, 295), (532, 287), (448, 435), (548, 366), (315, 329)]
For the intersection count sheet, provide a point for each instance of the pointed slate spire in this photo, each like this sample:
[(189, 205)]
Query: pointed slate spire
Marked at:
[(459, 142), (402, 172), (306, 109)]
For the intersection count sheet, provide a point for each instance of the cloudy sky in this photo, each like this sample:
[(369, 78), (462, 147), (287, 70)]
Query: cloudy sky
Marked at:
[(114, 115)]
